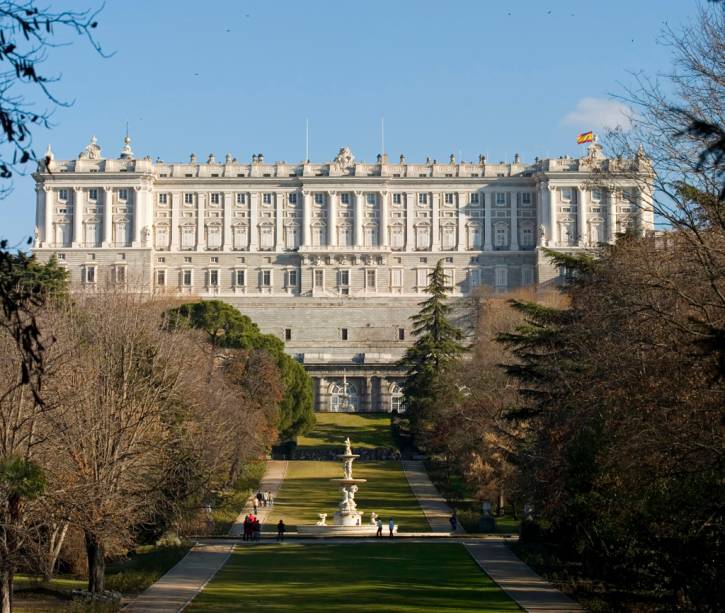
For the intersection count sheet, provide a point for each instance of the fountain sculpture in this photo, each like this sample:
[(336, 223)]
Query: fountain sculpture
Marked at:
[(347, 513)]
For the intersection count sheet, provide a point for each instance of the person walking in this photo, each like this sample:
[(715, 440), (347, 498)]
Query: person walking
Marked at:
[(254, 505), (454, 522), (270, 499), (257, 529), (379, 523), (391, 526), (280, 530)]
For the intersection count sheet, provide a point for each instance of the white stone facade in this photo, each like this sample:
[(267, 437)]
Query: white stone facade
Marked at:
[(330, 257)]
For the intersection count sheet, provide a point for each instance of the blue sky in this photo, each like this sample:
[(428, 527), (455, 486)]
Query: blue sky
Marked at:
[(241, 77)]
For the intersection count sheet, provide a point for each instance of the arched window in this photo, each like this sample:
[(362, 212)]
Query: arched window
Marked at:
[(343, 400), (396, 398)]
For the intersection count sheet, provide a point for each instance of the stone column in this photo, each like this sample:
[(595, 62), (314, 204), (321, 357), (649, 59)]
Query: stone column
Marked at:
[(487, 221), (435, 223), (553, 217), (462, 201), (306, 219), (107, 217), (78, 202), (541, 216), (332, 219), (322, 402), (200, 221), (581, 220), (383, 226), (175, 208), (514, 243), (137, 217), (409, 221), (39, 216), (383, 399), (253, 212), (368, 393), (612, 213), (278, 219), (48, 220), (227, 239), (359, 240)]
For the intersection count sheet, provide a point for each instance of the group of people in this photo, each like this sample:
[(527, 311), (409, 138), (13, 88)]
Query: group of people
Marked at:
[(262, 499), (252, 528), (379, 525)]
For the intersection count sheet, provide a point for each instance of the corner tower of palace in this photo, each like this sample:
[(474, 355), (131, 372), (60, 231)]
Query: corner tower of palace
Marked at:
[(330, 257)]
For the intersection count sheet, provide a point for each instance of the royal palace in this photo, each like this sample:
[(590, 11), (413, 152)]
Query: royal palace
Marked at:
[(332, 257)]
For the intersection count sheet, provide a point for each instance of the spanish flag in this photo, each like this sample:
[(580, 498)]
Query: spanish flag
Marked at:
[(586, 137)]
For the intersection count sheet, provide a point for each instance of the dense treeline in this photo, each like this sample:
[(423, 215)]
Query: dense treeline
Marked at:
[(602, 405), (120, 416)]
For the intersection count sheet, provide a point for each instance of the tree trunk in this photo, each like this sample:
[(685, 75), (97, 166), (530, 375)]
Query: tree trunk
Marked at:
[(6, 588), (501, 502), (55, 542), (96, 563)]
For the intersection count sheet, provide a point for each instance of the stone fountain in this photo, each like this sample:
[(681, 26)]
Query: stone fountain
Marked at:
[(347, 519), (347, 513)]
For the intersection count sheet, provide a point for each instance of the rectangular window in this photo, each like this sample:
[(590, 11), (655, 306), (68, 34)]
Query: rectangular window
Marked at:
[(267, 198), (501, 277), (288, 334), (90, 274), (401, 334), (188, 198), (370, 279), (292, 199), (474, 198), (291, 278), (422, 198), (448, 198), (396, 277), (371, 198), (265, 278), (187, 259), (216, 198), (319, 278), (567, 193), (123, 194), (397, 198), (474, 278), (92, 194), (343, 334), (500, 198), (240, 278), (526, 198), (163, 198), (213, 278), (422, 280), (63, 194), (241, 198), (345, 198), (186, 278), (596, 195), (120, 274), (344, 278), (527, 275), (160, 278), (319, 198)]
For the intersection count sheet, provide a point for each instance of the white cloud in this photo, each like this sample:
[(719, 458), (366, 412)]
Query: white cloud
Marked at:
[(598, 114)]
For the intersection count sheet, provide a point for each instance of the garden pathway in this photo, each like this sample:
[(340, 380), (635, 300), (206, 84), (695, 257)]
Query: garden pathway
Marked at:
[(178, 587), (529, 590), (434, 506)]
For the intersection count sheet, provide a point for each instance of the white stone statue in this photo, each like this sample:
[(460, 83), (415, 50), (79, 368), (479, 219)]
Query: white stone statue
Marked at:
[(347, 469), (323, 519), (345, 159), (348, 446), (373, 518), (92, 151)]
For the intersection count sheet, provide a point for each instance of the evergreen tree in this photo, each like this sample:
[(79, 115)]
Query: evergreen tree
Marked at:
[(227, 327), (439, 344)]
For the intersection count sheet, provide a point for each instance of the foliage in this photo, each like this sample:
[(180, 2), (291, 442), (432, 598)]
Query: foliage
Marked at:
[(437, 346), (226, 327)]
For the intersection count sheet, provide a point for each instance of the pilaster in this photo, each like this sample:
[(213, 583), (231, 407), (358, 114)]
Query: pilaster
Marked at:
[(611, 213), (435, 222), (461, 232), (78, 204), (253, 212), (107, 216), (49, 214), (553, 217), (278, 219), (175, 210), (332, 218), (383, 227), (581, 220), (514, 243), (409, 221), (306, 218), (487, 221), (228, 239), (200, 221), (359, 240)]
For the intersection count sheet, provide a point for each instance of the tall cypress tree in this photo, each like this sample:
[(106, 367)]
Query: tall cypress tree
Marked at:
[(439, 343)]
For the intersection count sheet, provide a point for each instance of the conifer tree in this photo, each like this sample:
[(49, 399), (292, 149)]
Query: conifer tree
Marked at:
[(438, 344)]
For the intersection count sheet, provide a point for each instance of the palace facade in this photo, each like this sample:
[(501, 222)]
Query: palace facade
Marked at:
[(333, 258)]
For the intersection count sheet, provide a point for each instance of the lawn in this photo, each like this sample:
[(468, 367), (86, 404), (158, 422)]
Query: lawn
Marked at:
[(366, 430), (356, 578), (307, 491)]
